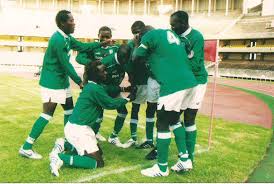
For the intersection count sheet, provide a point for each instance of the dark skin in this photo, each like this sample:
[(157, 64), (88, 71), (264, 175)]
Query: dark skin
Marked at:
[(177, 25), (104, 35), (136, 34)]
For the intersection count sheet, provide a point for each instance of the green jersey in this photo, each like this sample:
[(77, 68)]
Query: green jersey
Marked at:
[(139, 72), (196, 42), (115, 74), (56, 68), (90, 103), (97, 54), (167, 60)]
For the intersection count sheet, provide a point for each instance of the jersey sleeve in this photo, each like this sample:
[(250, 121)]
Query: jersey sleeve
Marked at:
[(63, 57), (147, 43), (82, 58), (107, 60), (83, 47), (106, 102)]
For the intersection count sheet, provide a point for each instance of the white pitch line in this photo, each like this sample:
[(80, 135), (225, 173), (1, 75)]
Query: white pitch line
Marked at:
[(106, 173), (120, 170)]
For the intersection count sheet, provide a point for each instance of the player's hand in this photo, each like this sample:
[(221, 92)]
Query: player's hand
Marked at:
[(132, 95), (136, 40), (107, 42), (81, 85)]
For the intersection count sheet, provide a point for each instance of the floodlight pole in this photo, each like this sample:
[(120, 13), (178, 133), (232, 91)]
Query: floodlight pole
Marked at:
[(216, 63)]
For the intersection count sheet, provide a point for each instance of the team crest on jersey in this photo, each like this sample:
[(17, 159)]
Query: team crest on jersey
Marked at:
[(110, 51)]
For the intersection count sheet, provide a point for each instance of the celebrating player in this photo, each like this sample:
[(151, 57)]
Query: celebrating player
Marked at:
[(195, 41), (168, 64), (54, 81), (78, 132)]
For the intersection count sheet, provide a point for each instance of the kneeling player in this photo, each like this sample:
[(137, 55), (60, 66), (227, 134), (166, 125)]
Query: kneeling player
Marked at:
[(78, 131)]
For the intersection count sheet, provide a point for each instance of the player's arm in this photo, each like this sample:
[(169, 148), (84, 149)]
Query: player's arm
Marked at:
[(62, 55), (82, 58), (106, 102)]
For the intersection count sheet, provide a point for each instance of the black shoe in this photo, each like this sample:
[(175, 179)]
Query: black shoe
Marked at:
[(152, 155), (145, 145)]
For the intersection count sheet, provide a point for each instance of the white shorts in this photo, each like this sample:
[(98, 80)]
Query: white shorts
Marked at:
[(81, 137), (55, 95), (153, 90), (197, 96), (176, 101), (141, 94)]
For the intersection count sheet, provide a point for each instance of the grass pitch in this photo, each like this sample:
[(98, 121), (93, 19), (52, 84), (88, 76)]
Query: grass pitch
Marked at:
[(236, 149)]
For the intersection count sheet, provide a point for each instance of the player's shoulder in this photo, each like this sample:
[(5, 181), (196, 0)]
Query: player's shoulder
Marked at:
[(57, 38), (197, 33)]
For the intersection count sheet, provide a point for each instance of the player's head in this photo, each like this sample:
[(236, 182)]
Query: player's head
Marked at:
[(65, 21), (145, 30), (179, 22), (137, 27), (123, 54), (104, 33), (96, 72)]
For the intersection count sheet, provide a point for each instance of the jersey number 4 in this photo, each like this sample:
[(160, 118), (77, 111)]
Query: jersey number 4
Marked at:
[(172, 38)]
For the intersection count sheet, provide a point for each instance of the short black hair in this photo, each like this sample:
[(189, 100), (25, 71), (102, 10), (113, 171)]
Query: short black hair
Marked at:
[(104, 28), (61, 17), (92, 71), (181, 15), (138, 23)]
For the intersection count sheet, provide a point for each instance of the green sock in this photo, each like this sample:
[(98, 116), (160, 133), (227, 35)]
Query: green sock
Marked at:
[(118, 125), (180, 140), (191, 135), (149, 129), (69, 147), (133, 128), (78, 161), (97, 125), (36, 130), (163, 142), (67, 114)]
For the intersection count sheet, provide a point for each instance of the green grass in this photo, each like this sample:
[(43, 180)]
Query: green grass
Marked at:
[(264, 171), (236, 148)]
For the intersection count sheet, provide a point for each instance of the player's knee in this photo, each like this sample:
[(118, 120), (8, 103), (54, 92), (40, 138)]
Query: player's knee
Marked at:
[(122, 111), (189, 117), (135, 111)]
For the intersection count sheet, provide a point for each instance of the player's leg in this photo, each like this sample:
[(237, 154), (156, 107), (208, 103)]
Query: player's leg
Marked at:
[(191, 131), (84, 140), (164, 118), (68, 108), (134, 120), (118, 125), (36, 131), (150, 113)]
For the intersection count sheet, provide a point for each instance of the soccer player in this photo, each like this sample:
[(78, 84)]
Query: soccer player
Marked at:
[(147, 91), (168, 64), (195, 41), (78, 132), (54, 81)]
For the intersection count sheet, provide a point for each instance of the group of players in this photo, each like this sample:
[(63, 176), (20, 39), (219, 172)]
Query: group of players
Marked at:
[(165, 68)]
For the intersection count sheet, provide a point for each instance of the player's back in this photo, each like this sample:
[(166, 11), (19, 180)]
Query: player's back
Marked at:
[(168, 61)]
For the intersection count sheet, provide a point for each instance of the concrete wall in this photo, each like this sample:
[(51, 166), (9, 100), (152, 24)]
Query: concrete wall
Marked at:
[(268, 7)]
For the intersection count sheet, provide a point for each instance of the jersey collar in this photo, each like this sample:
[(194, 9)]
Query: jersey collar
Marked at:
[(62, 33), (89, 81), (116, 59), (184, 34)]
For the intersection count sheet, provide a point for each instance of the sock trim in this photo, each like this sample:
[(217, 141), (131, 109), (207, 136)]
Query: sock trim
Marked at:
[(71, 160), (150, 120), (163, 164), (183, 155), (134, 121), (164, 135), (68, 112), (191, 128), (46, 116), (122, 115), (177, 125), (150, 140), (30, 140)]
